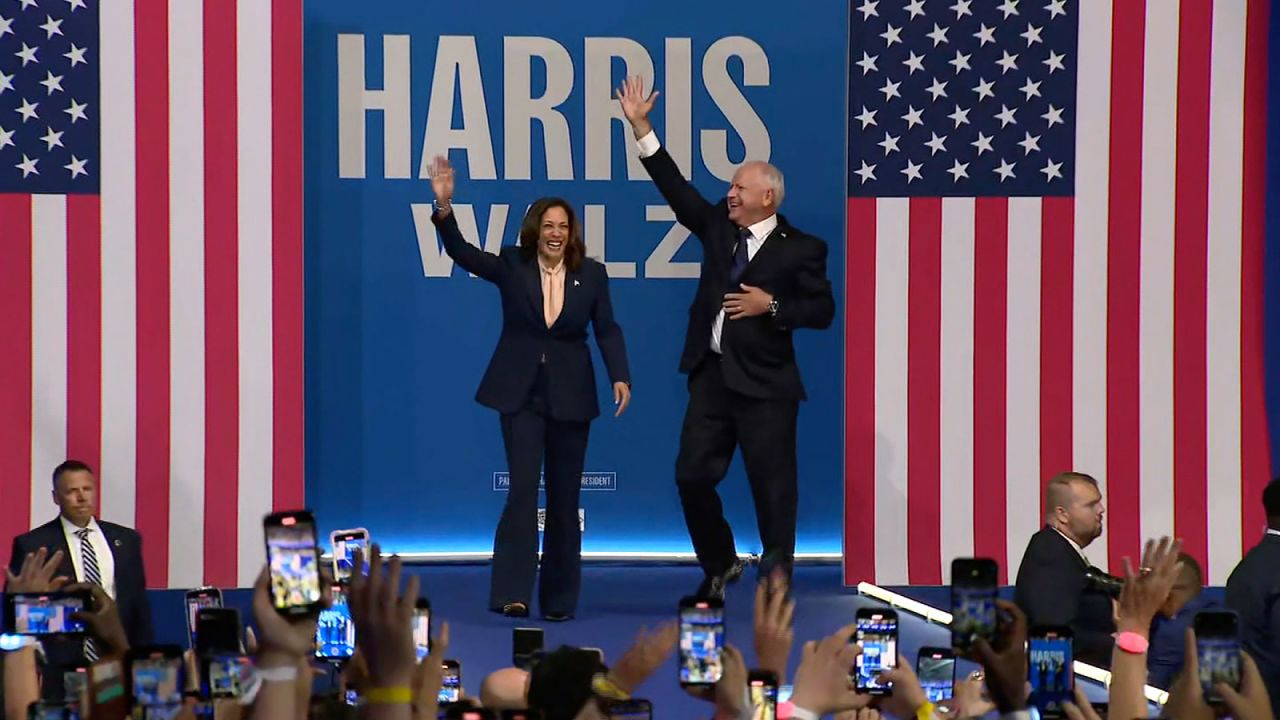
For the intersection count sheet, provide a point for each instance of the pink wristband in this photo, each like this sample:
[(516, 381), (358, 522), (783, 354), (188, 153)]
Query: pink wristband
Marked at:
[(1132, 642)]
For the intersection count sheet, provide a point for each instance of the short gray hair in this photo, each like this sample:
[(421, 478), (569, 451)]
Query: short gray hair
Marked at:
[(774, 181)]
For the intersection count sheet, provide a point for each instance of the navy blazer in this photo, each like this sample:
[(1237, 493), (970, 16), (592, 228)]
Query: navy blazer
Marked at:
[(526, 339), (759, 357), (131, 578), (1052, 590)]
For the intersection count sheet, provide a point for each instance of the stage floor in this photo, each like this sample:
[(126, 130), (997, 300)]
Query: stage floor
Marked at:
[(616, 601)]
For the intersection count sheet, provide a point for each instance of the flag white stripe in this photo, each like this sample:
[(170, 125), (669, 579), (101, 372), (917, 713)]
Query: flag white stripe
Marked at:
[(119, 267), (955, 398), (1155, 333), (253, 123), (1226, 167), (187, 307), (1089, 273), (893, 233), (48, 345), (1022, 400)]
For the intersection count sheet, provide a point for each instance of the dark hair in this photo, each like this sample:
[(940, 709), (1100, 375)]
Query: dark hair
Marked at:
[(69, 466), (1271, 501), (1056, 489), (1189, 563), (562, 682), (531, 229)]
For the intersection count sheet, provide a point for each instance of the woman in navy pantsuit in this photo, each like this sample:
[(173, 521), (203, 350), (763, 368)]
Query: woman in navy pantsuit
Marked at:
[(542, 383)]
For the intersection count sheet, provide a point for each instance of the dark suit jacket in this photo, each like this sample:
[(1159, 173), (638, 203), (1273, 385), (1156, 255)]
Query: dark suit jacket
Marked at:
[(526, 339), (1253, 591), (1051, 590), (131, 579), (759, 358)]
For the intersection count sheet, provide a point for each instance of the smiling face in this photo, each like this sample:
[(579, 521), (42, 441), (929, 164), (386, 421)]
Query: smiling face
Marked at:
[(553, 235), (751, 198)]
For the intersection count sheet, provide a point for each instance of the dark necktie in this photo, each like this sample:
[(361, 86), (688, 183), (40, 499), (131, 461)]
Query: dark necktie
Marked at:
[(740, 259), (89, 559)]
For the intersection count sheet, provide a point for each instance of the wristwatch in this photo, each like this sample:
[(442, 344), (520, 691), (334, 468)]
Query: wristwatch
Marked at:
[(773, 307)]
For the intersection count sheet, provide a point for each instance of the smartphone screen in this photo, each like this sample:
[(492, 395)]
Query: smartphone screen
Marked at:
[(52, 711), (526, 643), (335, 630), (422, 629), (877, 633), (451, 683), (1218, 651), (294, 561), (701, 642), (764, 697), (155, 678), (936, 668), (217, 631), (1049, 670), (345, 544), (206, 597), (973, 601), (45, 613), (228, 675)]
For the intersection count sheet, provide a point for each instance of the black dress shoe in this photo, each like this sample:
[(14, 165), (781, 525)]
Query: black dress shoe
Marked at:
[(515, 610), (713, 586)]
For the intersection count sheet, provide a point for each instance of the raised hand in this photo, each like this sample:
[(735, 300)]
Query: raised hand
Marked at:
[(636, 105), (1145, 591), (441, 174), (37, 573)]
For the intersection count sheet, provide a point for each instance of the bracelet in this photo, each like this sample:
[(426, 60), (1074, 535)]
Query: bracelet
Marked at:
[(284, 673), (603, 686), (389, 696), (925, 711), (800, 713)]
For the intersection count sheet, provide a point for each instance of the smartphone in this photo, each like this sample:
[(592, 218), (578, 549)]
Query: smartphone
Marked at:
[(203, 597), (422, 627), (936, 668), (155, 675), (45, 613), (762, 686), (217, 631), (701, 641), (634, 709), (1049, 669), (345, 543), (227, 675), (52, 711), (973, 601), (451, 682), (1217, 651), (877, 633), (597, 652), (294, 560), (75, 682), (335, 630), (526, 645)]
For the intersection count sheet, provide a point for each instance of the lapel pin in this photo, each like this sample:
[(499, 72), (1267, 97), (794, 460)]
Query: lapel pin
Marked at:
[(576, 283), (117, 542)]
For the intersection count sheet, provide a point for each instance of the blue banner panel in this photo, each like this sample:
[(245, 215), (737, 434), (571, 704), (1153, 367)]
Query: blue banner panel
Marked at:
[(520, 96)]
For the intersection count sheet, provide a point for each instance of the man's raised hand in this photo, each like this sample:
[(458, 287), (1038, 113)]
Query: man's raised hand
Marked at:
[(636, 105)]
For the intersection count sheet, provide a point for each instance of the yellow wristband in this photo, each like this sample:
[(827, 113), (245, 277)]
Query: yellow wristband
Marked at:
[(389, 696), (925, 711)]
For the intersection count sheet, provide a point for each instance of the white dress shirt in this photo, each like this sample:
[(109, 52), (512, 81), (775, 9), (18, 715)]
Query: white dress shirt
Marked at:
[(101, 550), (1079, 550), (759, 233)]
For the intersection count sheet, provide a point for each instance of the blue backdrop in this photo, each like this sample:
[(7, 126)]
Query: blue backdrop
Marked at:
[(397, 339)]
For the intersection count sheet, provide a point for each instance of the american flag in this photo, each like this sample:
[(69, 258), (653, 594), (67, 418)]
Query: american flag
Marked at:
[(151, 270), (1054, 263)]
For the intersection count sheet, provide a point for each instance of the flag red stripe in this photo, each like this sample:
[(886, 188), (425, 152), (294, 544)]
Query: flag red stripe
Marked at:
[(1123, 276), (286, 181), (1057, 277), (990, 378), (221, 268), (15, 364), (1191, 281), (860, 393), (84, 333), (924, 371), (151, 46), (1255, 445)]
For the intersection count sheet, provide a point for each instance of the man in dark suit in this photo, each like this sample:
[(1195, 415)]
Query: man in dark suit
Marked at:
[(1052, 588), (93, 551), (761, 279), (1253, 591)]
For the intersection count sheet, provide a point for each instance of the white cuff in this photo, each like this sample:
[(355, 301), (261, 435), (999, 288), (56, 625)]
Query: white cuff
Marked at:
[(648, 144), (799, 713)]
